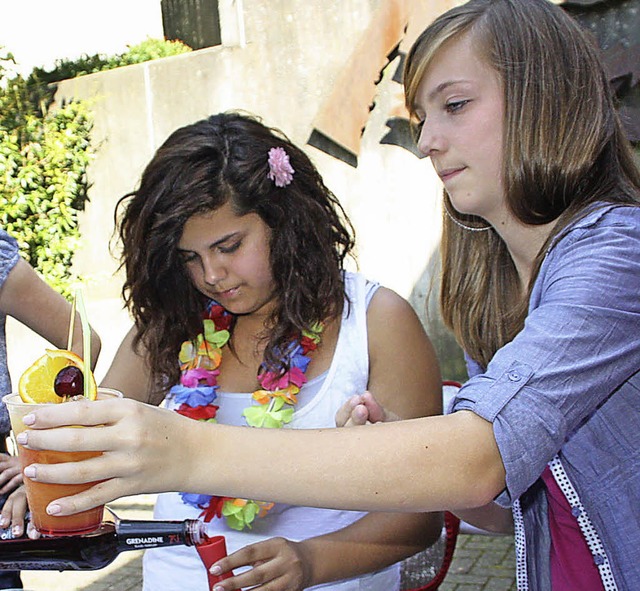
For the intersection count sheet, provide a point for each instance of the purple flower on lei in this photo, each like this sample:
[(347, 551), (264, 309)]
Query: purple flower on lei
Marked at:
[(200, 396), (195, 500), (280, 170), (298, 358)]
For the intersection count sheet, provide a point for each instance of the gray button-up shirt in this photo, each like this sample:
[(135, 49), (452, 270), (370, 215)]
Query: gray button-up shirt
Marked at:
[(569, 385)]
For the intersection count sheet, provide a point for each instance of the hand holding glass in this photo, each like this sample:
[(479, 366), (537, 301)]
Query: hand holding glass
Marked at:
[(40, 494)]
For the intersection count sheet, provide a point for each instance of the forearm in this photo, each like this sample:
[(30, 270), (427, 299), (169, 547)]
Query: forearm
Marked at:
[(420, 465), (442, 462), (77, 343), (490, 517), (31, 301), (370, 544)]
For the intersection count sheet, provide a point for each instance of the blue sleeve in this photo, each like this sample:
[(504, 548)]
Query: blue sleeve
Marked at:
[(8, 255), (579, 344)]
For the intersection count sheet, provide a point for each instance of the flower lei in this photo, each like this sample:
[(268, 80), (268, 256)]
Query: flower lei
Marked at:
[(195, 394)]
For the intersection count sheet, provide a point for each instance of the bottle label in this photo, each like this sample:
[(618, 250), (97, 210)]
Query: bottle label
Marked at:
[(140, 535), (143, 542)]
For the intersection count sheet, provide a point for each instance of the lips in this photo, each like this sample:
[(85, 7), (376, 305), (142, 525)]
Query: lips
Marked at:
[(448, 173), (223, 293)]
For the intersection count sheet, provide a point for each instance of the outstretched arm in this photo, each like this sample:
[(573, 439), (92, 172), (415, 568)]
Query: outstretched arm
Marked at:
[(426, 464), (28, 299)]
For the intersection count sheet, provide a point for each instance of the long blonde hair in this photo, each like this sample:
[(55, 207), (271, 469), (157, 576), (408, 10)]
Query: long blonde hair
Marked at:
[(563, 150)]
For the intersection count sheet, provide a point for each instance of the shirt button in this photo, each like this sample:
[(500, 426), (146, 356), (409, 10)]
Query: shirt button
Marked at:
[(598, 559), (576, 512), (514, 376)]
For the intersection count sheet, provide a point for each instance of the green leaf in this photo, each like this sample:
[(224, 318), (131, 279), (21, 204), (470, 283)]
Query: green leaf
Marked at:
[(217, 338)]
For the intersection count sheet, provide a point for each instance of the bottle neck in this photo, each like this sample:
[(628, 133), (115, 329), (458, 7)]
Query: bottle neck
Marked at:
[(138, 535)]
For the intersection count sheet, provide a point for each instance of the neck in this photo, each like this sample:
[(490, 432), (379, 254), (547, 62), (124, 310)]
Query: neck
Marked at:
[(524, 243)]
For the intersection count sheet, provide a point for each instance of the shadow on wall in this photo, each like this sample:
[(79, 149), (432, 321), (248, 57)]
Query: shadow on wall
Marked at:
[(424, 299)]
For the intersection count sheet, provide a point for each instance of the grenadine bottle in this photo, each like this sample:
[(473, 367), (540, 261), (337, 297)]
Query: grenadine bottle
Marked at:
[(99, 548)]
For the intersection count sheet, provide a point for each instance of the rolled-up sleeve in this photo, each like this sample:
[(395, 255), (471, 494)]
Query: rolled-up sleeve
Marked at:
[(578, 345)]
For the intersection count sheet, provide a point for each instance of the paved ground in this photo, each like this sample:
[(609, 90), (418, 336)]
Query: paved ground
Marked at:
[(480, 563)]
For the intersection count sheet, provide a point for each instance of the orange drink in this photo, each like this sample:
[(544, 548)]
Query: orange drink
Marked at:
[(40, 494)]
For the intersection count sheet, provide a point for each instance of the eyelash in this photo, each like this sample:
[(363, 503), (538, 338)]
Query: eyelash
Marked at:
[(191, 257), (455, 106), (187, 258), (231, 248)]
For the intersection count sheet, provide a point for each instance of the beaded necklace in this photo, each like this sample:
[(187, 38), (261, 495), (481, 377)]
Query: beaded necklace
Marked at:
[(195, 395)]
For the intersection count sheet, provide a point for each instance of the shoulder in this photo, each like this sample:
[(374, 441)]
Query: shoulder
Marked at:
[(603, 219), (386, 302), (606, 233), (392, 320), (387, 312), (8, 255), (595, 262)]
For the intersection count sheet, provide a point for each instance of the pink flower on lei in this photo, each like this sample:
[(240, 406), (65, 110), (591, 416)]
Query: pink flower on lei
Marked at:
[(271, 381), (280, 170), (192, 377)]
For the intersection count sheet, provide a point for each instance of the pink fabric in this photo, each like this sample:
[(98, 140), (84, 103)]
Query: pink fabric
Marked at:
[(572, 565)]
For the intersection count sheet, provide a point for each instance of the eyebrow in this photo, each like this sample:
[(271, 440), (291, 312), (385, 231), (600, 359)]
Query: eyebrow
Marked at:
[(444, 85), (441, 87), (216, 243)]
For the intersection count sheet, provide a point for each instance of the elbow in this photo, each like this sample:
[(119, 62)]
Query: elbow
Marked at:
[(482, 474), (483, 493), (482, 486)]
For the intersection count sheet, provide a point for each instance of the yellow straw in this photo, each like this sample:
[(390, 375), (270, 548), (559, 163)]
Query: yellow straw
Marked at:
[(72, 320), (86, 342)]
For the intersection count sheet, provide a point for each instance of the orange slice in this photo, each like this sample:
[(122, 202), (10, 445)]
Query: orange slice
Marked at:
[(36, 383)]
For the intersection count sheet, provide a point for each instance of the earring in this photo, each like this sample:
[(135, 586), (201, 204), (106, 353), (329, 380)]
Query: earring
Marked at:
[(459, 223)]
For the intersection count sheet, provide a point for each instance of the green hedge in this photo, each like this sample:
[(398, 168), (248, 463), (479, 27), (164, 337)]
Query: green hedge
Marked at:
[(44, 187), (44, 155), (145, 51)]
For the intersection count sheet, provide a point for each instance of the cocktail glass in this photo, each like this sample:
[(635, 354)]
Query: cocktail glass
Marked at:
[(40, 494)]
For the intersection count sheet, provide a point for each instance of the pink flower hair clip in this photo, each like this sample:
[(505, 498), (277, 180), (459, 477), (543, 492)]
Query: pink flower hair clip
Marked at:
[(280, 170)]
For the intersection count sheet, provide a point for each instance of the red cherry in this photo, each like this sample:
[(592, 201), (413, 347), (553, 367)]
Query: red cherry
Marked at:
[(69, 382)]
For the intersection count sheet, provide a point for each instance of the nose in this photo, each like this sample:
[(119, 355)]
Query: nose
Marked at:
[(430, 140), (213, 270)]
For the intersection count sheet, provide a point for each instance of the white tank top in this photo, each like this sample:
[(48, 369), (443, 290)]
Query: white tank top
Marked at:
[(168, 569)]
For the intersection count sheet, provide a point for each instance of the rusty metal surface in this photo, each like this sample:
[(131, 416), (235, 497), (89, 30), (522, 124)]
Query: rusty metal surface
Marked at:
[(615, 24), (344, 114), (338, 126)]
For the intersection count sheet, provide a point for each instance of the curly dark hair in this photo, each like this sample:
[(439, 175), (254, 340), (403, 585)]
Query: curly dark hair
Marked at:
[(198, 169)]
